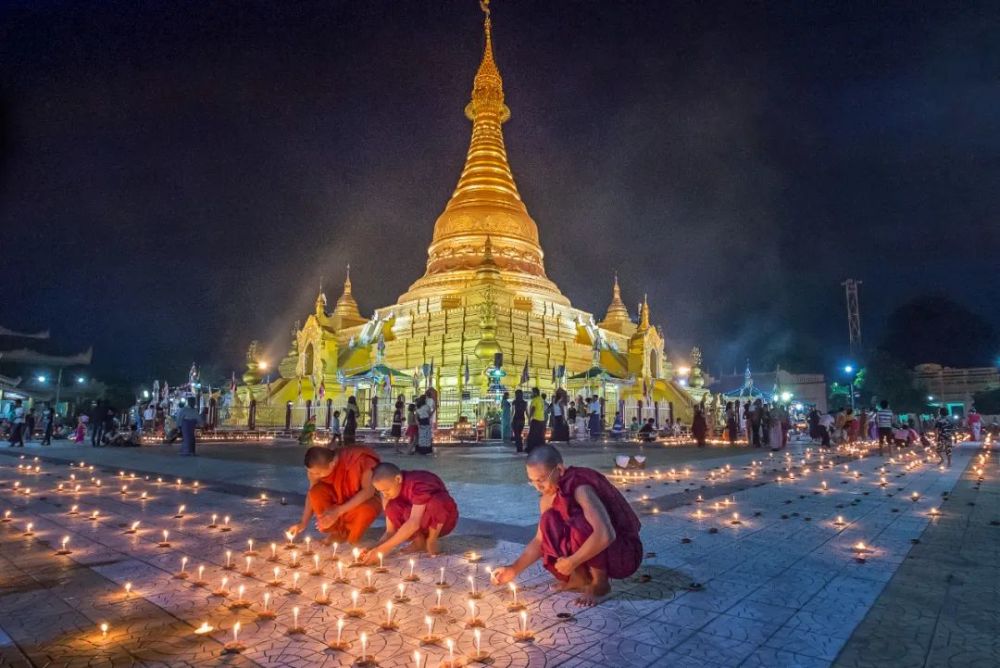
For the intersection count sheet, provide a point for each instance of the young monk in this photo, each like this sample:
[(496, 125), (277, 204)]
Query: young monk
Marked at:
[(587, 533), (341, 494), (418, 508)]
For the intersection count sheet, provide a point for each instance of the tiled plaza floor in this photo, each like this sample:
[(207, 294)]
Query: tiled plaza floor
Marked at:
[(777, 584)]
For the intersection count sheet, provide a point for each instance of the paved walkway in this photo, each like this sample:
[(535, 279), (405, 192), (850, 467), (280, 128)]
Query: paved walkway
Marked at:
[(782, 587)]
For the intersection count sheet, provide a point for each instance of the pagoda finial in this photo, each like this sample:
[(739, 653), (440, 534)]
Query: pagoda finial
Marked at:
[(644, 314), (346, 306), (347, 280), (617, 313), (488, 250)]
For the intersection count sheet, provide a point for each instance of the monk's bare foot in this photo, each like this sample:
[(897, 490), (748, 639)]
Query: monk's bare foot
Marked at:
[(560, 586), (433, 547), (593, 594), (417, 544), (578, 581)]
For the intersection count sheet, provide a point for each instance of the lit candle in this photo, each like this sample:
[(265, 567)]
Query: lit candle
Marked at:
[(368, 576), (335, 546), (316, 563), (340, 630), (388, 613), (417, 659), (180, 511), (295, 581), (166, 534), (472, 585), (322, 588), (236, 633), (340, 570), (65, 542), (104, 630), (277, 572), (441, 579), (357, 553), (225, 584), (240, 592), (229, 558), (225, 523), (201, 572), (412, 564), (513, 591), (439, 597), (128, 589), (290, 537), (184, 561), (135, 527), (274, 551), (472, 609), (354, 599), (402, 591), (429, 621), (204, 629), (308, 541), (380, 556), (249, 545), (215, 518), (143, 496), (295, 558), (524, 622), (364, 646), (295, 617), (451, 651), (267, 599), (249, 561)]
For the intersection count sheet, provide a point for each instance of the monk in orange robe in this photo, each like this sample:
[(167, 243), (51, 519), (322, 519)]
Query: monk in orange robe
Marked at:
[(341, 493), (418, 508), (587, 534)]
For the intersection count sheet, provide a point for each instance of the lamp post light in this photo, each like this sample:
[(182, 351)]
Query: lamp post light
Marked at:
[(849, 370)]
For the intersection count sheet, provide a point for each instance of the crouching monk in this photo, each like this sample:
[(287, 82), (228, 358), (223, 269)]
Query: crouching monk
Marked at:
[(341, 493), (587, 534), (418, 508)]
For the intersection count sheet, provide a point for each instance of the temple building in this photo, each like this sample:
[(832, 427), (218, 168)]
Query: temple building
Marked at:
[(484, 317)]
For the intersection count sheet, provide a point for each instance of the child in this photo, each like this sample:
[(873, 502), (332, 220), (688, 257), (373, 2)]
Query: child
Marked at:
[(587, 531), (945, 429), (335, 438), (341, 494), (412, 428), (417, 508)]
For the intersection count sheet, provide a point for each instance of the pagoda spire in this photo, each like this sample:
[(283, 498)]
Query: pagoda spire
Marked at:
[(346, 307), (617, 312), (644, 314), (485, 202)]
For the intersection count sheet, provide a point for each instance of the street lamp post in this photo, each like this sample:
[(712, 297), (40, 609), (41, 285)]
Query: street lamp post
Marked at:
[(849, 370)]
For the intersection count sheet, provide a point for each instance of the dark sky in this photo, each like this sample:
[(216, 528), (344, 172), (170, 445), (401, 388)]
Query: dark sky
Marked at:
[(177, 176)]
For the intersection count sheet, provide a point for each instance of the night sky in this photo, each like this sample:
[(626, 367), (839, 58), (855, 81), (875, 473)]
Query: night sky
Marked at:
[(176, 177)]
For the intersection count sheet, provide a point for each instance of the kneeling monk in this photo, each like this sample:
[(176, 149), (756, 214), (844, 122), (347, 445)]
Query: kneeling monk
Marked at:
[(341, 494), (417, 506), (587, 533)]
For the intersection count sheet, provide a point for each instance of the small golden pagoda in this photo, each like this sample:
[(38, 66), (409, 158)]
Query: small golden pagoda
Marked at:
[(483, 296)]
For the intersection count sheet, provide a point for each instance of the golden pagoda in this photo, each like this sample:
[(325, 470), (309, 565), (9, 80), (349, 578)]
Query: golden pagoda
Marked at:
[(482, 313)]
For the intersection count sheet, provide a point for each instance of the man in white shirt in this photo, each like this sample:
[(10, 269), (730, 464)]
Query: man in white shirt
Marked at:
[(17, 420)]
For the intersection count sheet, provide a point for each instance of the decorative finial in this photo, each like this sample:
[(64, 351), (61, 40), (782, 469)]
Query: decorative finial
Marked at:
[(485, 6), (488, 250), (347, 280)]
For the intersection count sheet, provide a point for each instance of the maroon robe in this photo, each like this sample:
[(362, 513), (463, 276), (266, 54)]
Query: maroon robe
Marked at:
[(564, 528), (423, 488)]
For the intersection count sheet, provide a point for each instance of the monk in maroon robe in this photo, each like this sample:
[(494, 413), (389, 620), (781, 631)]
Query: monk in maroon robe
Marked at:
[(418, 508), (587, 533)]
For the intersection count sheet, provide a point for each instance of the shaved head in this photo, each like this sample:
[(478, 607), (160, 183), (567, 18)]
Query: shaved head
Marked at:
[(545, 456), (385, 471), (318, 456)]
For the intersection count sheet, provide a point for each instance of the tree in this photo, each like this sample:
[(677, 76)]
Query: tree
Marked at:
[(886, 377), (938, 329), (987, 402)]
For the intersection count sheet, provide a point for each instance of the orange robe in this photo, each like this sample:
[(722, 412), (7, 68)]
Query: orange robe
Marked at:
[(343, 483)]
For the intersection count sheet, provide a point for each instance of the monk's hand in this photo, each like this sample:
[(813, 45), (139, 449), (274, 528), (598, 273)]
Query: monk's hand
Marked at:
[(369, 557), (502, 575), (295, 529), (328, 518), (564, 566)]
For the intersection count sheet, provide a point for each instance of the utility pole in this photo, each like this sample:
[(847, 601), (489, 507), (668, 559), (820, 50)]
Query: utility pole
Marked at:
[(853, 315)]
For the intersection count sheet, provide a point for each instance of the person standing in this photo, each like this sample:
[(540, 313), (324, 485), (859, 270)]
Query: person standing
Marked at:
[(48, 424), (397, 421), (505, 417), (699, 427), (149, 418), (29, 424), (560, 428), (732, 423), (536, 421), (883, 421), (351, 421), (945, 429), (96, 424), (187, 420), (520, 408), (571, 419), (823, 427), (17, 425), (975, 425), (594, 418)]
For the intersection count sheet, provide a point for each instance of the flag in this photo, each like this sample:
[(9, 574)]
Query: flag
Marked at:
[(322, 389), (645, 390), (299, 396), (553, 375), (430, 374), (466, 371), (232, 383), (525, 376)]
